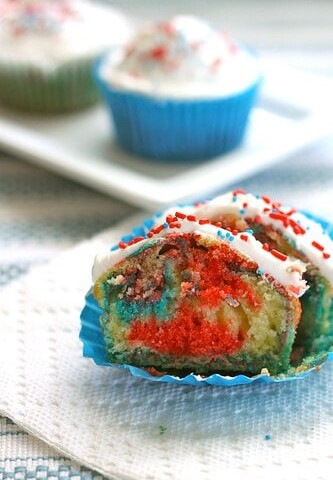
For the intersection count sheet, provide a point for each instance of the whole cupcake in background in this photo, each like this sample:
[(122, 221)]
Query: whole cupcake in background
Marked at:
[(48, 49), (181, 90)]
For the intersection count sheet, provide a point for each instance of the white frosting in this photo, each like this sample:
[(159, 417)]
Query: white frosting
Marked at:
[(287, 273), (48, 33), (307, 236), (234, 204), (184, 58)]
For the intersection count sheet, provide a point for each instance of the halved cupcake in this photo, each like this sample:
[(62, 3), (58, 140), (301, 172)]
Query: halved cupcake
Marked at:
[(191, 295)]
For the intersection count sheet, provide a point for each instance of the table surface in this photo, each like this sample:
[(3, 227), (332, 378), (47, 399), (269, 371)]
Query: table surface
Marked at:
[(42, 214)]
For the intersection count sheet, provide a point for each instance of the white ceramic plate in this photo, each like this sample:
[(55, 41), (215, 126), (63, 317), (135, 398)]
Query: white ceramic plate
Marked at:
[(293, 112)]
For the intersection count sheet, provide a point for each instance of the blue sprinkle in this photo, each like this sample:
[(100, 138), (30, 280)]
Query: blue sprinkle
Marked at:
[(115, 247), (234, 198), (307, 228), (220, 234), (249, 231), (137, 232), (148, 223), (127, 238), (165, 225), (257, 196), (298, 221), (267, 436), (259, 271), (242, 211)]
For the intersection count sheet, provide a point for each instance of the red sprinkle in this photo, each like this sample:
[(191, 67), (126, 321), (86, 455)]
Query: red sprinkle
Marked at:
[(276, 205), (236, 192), (298, 230), (158, 53), (318, 246), (244, 237), (122, 245), (326, 255), (171, 218), (136, 240), (180, 215), (266, 199), (245, 204), (168, 28), (279, 255), (217, 62), (175, 225), (139, 238), (280, 216), (291, 212), (203, 221), (150, 234), (266, 247), (191, 218), (158, 229)]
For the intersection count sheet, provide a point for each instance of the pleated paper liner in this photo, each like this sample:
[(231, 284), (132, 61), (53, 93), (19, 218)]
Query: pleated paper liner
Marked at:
[(175, 129)]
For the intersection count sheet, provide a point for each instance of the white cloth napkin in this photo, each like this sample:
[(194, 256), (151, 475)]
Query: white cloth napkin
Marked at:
[(129, 428)]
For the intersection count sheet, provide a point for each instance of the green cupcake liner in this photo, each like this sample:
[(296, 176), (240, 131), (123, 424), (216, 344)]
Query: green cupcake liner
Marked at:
[(67, 87)]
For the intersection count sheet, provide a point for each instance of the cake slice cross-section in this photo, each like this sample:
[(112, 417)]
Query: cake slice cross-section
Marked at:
[(194, 296)]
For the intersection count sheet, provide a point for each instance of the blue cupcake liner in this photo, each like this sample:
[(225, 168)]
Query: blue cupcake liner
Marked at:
[(94, 346), (177, 130)]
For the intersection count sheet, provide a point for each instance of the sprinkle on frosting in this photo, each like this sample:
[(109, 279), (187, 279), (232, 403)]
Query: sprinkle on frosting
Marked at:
[(46, 33), (185, 57), (306, 234), (26, 16), (271, 263)]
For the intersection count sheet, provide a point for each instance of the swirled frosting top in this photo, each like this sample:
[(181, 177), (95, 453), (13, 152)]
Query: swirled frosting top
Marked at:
[(184, 57), (46, 33)]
